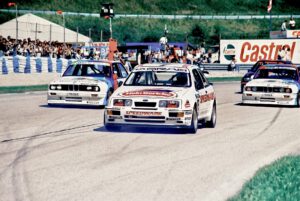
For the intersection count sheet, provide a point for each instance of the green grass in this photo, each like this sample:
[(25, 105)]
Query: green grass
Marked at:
[(224, 79), (277, 181), (21, 89)]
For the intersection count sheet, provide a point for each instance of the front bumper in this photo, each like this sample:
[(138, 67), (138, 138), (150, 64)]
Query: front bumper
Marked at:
[(76, 98), (161, 117), (269, 98)]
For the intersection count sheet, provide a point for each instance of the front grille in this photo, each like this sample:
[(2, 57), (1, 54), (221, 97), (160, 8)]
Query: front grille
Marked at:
[(269, 89), (70, 87), (145, 104)]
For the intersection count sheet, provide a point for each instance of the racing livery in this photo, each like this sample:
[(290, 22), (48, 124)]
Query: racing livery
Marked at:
[(273, 84), (162, 95), (87, 83), (247, 77)]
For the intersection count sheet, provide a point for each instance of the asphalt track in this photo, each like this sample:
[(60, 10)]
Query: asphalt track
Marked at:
[(55, 153)]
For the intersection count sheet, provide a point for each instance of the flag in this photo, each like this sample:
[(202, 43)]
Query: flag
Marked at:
[(270, 6), (11, 4), (59, 12)]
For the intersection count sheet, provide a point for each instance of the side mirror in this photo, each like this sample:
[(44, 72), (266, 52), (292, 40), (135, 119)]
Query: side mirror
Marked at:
[(252, 76), (115, 72), (211, 84), (205, 72), (120, 83)]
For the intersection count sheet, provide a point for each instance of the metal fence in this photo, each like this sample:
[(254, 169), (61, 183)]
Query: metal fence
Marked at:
[(206, 17)]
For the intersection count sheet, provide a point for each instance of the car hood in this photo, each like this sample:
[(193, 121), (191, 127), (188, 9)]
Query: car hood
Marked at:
[(79, 80), (271, 82), (150, 92)]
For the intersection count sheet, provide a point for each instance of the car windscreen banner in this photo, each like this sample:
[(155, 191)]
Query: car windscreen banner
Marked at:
[(250, 51)]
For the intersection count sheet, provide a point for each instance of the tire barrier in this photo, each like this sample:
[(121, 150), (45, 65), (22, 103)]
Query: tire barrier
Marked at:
[(16, 64), (27, 68), (50, 65), (4, 67), (59, 65), (38, 65)]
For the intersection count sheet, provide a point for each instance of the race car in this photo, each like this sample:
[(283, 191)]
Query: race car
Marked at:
[(87, 83), (247, 77), (163, 95), (274, 84)]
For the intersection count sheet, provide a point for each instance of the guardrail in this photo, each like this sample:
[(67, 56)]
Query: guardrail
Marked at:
[(206, 17), (27, 65), (21, 64)]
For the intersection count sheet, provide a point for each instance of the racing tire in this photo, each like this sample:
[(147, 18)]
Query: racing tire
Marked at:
[(213, 118), (194, 124)]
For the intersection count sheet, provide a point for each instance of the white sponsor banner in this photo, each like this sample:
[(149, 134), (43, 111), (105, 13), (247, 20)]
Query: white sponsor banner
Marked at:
[(293, 33), (250, 51)]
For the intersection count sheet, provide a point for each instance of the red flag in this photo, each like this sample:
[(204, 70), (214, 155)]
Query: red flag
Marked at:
[(11, 4), (270, 6), (59, 12)]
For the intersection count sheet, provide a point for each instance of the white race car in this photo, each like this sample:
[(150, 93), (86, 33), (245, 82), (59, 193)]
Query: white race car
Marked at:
[(87, 83), (273, 84), (162, 95)]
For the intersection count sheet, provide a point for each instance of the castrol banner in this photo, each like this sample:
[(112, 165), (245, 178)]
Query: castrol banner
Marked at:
[(250, 51)]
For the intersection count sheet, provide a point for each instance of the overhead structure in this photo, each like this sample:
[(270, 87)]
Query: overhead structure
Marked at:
[(35, 27)]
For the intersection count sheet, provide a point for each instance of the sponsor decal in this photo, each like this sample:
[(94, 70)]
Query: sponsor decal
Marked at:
[(229, 52), (250, 51), (150, 93), (140, 113), (296, 33), (254, 53), (207, 97)]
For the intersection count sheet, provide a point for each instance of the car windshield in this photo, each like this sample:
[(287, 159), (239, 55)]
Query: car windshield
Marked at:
[(158, 78), (97, 70), (276, 73)]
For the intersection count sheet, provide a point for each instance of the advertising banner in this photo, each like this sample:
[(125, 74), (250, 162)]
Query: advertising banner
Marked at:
[(250, 51)]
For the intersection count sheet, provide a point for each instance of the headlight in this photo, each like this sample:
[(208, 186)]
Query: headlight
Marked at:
[(89, 88), (97, 88), (254, 88), (288, 90), (52, 87), (248, 89), (168, 104), (59, 87), (281, 90), (122, 102)]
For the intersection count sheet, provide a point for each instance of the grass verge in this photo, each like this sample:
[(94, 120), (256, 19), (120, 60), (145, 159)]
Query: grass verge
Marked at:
[(224, 79), (21, 89), (277, 181)]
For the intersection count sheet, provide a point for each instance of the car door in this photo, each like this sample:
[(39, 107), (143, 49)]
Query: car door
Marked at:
[(199, 92), (209, 96)]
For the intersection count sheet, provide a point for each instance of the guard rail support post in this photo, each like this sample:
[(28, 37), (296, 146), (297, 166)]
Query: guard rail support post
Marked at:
[(27, 68), (16, 64), (4, 67)]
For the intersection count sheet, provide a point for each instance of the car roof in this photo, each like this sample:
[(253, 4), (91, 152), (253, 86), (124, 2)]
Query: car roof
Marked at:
[(273, 66), (86, 61)]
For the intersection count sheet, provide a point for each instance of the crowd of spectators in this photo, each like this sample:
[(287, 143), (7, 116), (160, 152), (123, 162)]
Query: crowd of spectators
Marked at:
[(36, 48)]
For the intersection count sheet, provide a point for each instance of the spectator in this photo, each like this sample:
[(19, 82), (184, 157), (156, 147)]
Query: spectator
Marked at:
[(163, 41), (233, 66), (283, 25), (292, 23)]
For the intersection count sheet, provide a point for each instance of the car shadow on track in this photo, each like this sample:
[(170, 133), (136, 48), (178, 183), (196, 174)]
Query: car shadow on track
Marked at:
[(268, 106), (72, 107), (147, 131)]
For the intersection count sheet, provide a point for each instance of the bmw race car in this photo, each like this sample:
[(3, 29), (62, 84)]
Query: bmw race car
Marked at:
[(277, 84), (163, 95), (87, 83), (247, 77)]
